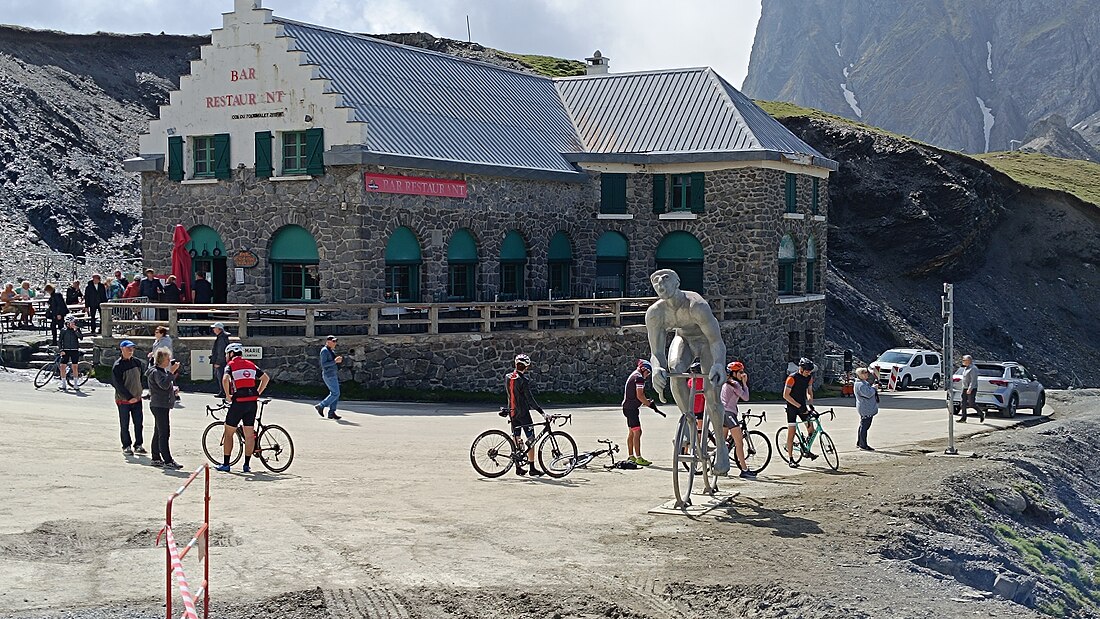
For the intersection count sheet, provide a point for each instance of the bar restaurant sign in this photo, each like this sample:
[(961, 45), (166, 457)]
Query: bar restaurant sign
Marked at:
[(415, 185)]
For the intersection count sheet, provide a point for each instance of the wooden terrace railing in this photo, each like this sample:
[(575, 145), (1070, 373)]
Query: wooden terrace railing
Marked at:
[(313, 320)]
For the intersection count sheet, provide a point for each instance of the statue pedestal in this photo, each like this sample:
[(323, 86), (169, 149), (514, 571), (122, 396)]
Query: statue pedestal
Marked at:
[(700, 505)]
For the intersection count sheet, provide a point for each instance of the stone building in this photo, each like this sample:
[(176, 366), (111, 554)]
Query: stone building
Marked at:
[(354, 170)]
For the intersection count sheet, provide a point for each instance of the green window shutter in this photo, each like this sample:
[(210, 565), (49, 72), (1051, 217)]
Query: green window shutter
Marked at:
[(264, 169), (816, 198), (792, 193), (698, 192), (612, 193), (660, 194), (315, 152), (221, 156), (175, 158)]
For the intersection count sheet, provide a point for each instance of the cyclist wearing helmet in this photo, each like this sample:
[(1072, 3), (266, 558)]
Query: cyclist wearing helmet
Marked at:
[(734, 390), (520, 403), (244, 383), (634, 399), (70, 352), (798, 392)]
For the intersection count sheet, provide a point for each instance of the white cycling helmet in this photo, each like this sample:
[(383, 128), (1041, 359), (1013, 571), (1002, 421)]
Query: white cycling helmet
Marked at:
[(70, 319), (524, 360), (234, 348)]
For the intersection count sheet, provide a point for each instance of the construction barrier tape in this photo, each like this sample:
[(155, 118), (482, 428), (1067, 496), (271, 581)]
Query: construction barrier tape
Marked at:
[(189, 611)]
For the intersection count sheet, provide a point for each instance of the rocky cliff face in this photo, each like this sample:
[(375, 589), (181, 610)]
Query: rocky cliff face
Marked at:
[(968, 75), (1052, 136), (905, 218)]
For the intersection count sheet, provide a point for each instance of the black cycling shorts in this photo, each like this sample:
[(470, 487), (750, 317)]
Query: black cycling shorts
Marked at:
[(70, 356), (241, 412), (794, 414), (633, 416), (523, 424)]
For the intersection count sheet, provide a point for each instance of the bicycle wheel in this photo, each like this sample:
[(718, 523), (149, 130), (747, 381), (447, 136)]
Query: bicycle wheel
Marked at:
[(684, 462), (212, 438), (492, 453), (45, 375), (84, 371), (828, 449), (758, 450), (275, 449), (781, 445), (557, 454)]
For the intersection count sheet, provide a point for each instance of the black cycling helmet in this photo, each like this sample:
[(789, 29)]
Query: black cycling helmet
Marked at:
[(806, 364)]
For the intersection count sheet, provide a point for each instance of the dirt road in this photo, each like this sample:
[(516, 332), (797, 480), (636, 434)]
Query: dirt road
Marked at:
[(382, 515)]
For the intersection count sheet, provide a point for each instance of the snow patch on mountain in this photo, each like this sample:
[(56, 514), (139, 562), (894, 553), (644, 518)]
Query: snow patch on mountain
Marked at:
[(987, 120), (989, 57), (836, 46), (850, 97)]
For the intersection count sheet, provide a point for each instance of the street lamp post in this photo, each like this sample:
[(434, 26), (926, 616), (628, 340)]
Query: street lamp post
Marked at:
[(948, 300)]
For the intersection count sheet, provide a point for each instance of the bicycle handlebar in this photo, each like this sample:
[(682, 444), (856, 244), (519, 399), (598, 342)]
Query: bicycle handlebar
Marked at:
[(813, 414), (761, 418)]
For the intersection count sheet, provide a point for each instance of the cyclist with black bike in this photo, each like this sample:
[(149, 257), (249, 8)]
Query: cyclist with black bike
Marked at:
[(244, 383), (798, 393), (70, 353), (520, 403), (634, 399)]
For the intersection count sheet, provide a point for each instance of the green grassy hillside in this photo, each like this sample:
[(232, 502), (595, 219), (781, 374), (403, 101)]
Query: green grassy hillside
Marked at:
[(1073, 176), (547, 65)]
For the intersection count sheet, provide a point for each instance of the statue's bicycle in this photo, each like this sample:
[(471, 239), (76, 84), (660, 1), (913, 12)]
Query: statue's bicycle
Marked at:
[(691, 453)]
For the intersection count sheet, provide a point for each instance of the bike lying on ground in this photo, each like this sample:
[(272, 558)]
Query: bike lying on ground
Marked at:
[(494, 452), (273, 445), (582, 460), (52, 370), (802, 444)]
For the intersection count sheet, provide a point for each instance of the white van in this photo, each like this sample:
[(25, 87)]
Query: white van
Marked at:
[(914, 367)]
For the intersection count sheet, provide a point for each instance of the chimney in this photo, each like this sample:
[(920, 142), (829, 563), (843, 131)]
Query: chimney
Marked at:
[(597, 64), (242, 6)]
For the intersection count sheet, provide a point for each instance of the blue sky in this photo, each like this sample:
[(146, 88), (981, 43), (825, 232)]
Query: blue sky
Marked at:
[(635, 34)]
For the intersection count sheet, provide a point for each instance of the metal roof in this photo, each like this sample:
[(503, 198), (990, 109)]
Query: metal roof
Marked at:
[(675, 111), (423, 104), (435, 111)]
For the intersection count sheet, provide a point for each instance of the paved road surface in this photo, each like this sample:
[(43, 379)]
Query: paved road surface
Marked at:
[(386, 497)]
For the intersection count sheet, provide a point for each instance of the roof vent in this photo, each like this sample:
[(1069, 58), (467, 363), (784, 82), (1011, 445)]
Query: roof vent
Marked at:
[(597, 64)]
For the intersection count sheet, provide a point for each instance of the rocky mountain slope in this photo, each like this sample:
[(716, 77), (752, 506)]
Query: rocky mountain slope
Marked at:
[(967, 75), (906, 217), (1052, 136)]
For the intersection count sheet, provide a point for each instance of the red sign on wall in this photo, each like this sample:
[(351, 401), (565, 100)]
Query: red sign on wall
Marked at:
[(415, 185)]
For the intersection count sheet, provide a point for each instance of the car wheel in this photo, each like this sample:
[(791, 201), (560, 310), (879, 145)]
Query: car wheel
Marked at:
[(935, 382), (1010, 410), (905, 382), (1038, 410)]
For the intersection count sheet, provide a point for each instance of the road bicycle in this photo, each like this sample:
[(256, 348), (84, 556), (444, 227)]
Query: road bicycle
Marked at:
[(803, 445), (582, 460), (52, 370), (495, 452), (274, 447), (758, 449), (691, 453)]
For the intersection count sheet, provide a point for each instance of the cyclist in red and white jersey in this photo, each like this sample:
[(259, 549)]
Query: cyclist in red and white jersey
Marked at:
[(244, 383)]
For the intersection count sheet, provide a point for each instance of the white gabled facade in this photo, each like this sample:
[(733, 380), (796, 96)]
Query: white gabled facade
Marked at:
[(250, 78)]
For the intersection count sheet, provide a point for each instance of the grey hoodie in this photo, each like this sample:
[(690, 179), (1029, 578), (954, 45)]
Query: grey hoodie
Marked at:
[(969, 377), (161, 381)]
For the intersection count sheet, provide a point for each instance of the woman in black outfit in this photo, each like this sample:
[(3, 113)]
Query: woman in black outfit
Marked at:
[(73, 296), (161, 399)]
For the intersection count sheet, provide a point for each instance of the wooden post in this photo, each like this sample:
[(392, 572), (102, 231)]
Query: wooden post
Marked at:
[(373, 317), (486, 318), (242, 322), (533, 316), (173, 321), (106, 321), (433, 319), (311, 322), (575, 314), (721, 313)]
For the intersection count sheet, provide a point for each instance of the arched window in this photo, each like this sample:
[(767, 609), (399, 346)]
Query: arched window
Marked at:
[(294, 265), (683, 253), (612, 256), (513, 267), (462, 266), (787, 257), (208, 257), (811, 266), (559, 259), (403, 266)]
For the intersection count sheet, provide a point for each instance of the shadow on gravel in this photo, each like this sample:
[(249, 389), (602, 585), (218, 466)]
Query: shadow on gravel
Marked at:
[(782, 524)]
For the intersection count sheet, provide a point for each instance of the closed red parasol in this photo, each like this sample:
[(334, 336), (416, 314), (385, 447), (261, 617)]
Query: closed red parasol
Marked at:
[(181, 262)]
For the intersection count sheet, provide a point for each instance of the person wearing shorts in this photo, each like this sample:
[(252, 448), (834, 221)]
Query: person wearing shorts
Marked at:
[(798, 392), (244, 383), (520, 403), (634, 399), (734, 390), (70, 353)]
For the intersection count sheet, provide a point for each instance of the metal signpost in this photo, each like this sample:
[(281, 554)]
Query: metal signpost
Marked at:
[(948, 361)]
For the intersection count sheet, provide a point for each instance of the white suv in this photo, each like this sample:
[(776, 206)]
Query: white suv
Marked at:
[(914, 367)]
